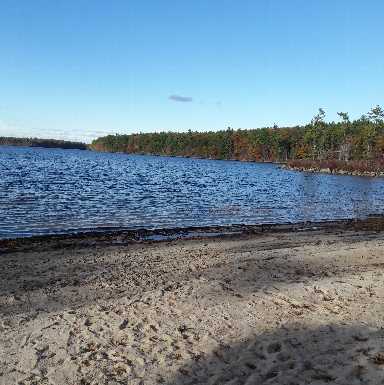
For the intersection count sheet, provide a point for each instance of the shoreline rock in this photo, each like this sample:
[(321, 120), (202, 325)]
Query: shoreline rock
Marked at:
[(334, 171)]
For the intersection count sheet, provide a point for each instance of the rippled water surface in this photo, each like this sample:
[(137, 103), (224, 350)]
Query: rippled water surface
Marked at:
[(46, 191)]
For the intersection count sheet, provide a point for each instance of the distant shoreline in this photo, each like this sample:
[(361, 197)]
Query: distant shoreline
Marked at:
[(284, 165), (42, 143)]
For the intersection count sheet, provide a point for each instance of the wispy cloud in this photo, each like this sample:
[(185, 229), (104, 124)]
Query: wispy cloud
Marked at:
[(94, 132), (179, 98), (5, 128), (71, 134), (50, 133)]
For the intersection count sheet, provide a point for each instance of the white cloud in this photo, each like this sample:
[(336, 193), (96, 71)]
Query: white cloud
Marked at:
[(6, 130), (75, 135)]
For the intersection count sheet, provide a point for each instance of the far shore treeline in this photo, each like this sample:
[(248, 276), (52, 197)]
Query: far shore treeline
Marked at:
[(357, 144), (46, 143)]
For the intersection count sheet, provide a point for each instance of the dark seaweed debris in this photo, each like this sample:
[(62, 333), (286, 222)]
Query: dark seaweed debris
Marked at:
[(123, 237)]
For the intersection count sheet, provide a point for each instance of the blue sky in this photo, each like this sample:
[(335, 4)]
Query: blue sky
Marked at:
[(76, 70)]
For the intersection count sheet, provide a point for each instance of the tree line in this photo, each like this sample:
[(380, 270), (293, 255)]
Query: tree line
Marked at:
[(46, 143), (346, 140)]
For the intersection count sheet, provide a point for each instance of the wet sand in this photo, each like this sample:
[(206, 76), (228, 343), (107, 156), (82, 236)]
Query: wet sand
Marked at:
[(268, 306)]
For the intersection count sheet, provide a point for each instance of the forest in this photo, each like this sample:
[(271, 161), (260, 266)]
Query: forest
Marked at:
[(359, 143), (46, 143)]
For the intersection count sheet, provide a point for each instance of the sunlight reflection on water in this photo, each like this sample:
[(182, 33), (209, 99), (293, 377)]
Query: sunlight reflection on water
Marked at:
[(48, 191)]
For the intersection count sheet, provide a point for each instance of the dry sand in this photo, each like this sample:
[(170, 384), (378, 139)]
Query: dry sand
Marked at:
[(268, 308)]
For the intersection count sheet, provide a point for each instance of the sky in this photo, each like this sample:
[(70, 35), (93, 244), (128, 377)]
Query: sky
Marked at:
[(78, 70)]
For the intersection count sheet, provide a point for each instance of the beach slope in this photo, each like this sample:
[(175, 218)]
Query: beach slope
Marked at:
[(284, 307)]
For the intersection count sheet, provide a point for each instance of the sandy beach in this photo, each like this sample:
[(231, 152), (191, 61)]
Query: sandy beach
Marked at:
[(264, 307)]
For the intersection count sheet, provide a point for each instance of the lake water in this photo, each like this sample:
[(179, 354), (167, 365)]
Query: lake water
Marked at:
[(50, 191)]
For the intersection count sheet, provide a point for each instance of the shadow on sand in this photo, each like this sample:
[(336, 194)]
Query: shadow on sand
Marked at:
[(287, 354), (327, 354)]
